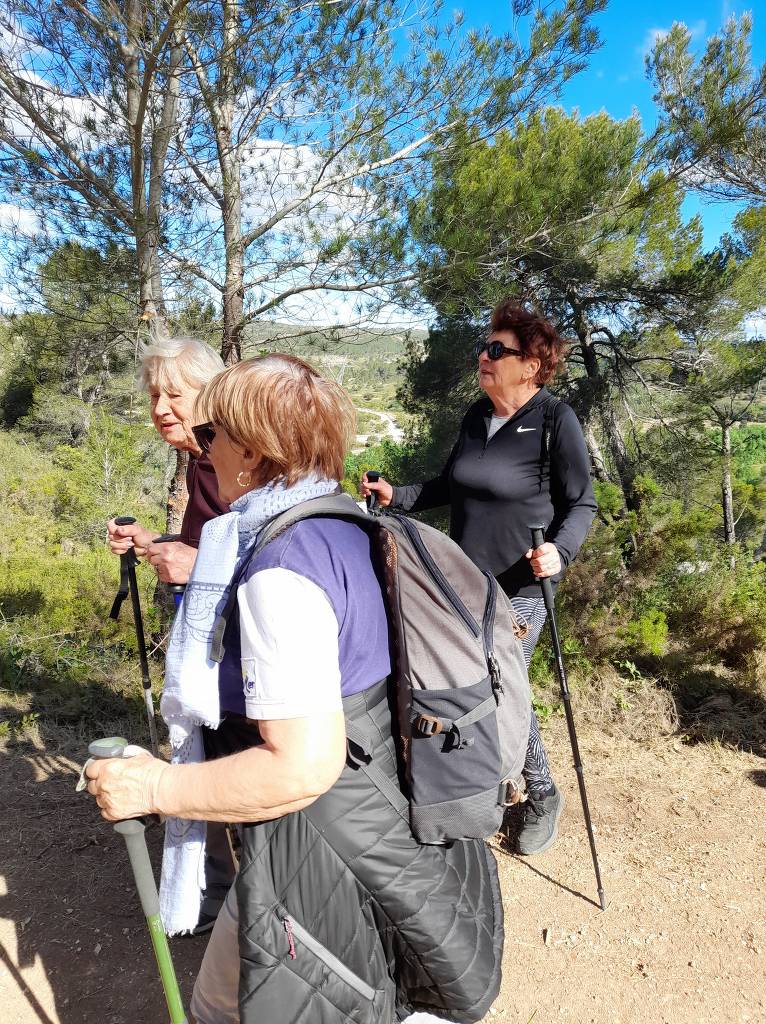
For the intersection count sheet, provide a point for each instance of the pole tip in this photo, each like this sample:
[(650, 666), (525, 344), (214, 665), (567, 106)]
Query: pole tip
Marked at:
[(602, 899)]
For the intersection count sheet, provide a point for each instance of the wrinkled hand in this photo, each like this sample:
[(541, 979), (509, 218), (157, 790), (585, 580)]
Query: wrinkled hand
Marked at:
[(381, 487), (172, 560), (125, 787), (132, 535), (545, 560)]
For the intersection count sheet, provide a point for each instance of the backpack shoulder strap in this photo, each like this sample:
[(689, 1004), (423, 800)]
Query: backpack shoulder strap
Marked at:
[(549, 420), (338, 506)]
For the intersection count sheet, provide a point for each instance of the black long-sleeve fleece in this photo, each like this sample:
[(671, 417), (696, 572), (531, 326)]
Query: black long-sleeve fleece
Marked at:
[(497, 488)]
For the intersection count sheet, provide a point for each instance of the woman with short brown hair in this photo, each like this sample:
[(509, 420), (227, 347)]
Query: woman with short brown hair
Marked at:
[(520, 459), (337, 912), (293, 421)]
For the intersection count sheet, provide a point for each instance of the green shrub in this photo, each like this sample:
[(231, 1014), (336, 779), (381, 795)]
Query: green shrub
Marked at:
[(648, 634)]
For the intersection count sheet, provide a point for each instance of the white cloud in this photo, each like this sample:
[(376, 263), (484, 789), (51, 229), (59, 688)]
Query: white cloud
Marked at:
[(17, 219), (654, 35), (274, 174), (323, 308), (15, 41), (65, 106)]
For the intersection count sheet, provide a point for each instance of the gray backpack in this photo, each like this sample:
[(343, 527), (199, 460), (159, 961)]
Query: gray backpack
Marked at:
[(459, 675)]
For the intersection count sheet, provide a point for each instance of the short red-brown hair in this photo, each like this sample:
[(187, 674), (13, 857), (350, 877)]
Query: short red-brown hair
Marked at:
[(538, 339), (278, 408)]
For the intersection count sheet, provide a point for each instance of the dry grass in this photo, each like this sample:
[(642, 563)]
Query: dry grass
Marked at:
[(634, 707)]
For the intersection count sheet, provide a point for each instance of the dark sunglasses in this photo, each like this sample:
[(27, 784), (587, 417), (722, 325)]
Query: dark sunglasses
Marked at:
[(203, 435), (495, 350)]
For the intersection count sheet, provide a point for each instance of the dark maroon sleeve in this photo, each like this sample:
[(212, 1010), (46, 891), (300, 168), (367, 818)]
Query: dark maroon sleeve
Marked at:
[(204, 503)]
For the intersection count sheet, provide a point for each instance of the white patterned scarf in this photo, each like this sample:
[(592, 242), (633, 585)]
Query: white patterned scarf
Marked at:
[(190, 692)]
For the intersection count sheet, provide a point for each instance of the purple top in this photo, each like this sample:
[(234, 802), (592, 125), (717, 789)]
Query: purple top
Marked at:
[(336, 556)]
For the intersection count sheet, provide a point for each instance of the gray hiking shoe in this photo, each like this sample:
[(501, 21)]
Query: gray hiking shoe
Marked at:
[(539, 827)]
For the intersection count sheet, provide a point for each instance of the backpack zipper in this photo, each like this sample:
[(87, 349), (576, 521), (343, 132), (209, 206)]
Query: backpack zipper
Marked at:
[(488, 624), (294, 931), (438, 576)]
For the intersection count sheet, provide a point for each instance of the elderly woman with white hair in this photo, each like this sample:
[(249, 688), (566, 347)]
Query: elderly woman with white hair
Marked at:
[(173, 372)]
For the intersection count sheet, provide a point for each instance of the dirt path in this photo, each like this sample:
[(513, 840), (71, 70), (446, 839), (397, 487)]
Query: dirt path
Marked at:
[(682, 843), (389, 426)]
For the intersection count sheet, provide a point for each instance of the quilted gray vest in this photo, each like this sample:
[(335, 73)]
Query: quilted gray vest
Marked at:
[(345, 917)]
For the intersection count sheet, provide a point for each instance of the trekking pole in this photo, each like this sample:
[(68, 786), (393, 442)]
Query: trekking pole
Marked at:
[(538, 538), (129, 583), (133, 831)]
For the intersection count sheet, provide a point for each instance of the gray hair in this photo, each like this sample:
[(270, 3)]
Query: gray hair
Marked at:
[(178, 364)]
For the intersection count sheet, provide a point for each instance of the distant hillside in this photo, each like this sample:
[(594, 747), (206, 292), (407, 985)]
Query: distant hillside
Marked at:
[(348, 341), (366, 362)]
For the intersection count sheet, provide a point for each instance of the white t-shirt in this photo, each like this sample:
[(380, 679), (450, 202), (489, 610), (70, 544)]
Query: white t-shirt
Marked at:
[(289, 647), (495, 423)]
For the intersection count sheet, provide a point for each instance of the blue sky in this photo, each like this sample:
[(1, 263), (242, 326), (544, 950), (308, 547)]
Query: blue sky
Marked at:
[(615, 80)]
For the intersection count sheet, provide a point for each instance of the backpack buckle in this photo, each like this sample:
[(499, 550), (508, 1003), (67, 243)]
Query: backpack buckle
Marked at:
[(428, 725)]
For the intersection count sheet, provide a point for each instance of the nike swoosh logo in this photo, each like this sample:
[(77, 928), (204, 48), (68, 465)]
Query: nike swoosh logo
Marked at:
[(524, 430)]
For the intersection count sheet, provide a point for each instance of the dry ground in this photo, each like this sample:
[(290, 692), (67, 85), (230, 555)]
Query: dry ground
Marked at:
[(682, 843)]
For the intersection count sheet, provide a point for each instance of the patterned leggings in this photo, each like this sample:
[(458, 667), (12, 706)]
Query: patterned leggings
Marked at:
[(531, 610)]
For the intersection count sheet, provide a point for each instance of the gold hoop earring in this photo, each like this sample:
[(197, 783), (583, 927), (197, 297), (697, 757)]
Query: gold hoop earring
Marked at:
[(244, 483)]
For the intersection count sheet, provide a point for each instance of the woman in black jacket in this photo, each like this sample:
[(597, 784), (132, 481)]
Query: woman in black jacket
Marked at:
[(520, 459)]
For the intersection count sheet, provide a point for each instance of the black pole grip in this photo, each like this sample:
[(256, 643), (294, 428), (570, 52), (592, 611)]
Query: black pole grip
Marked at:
[(538, 538), (129, 558), (128, 561), (373, 475), (538, 535)]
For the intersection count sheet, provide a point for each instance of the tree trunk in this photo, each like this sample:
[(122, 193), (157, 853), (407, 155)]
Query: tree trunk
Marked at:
[(147, 196), (177, 494), (598, 404), (231, 190), (599, 400), (135, 124), (594, 450), (727, 498), (234, 290), (161, 136), (621, 459)]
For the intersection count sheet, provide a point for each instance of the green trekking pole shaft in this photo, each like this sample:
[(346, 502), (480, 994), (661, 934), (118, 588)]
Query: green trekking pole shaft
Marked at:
[(538, 538), (133, 831)]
